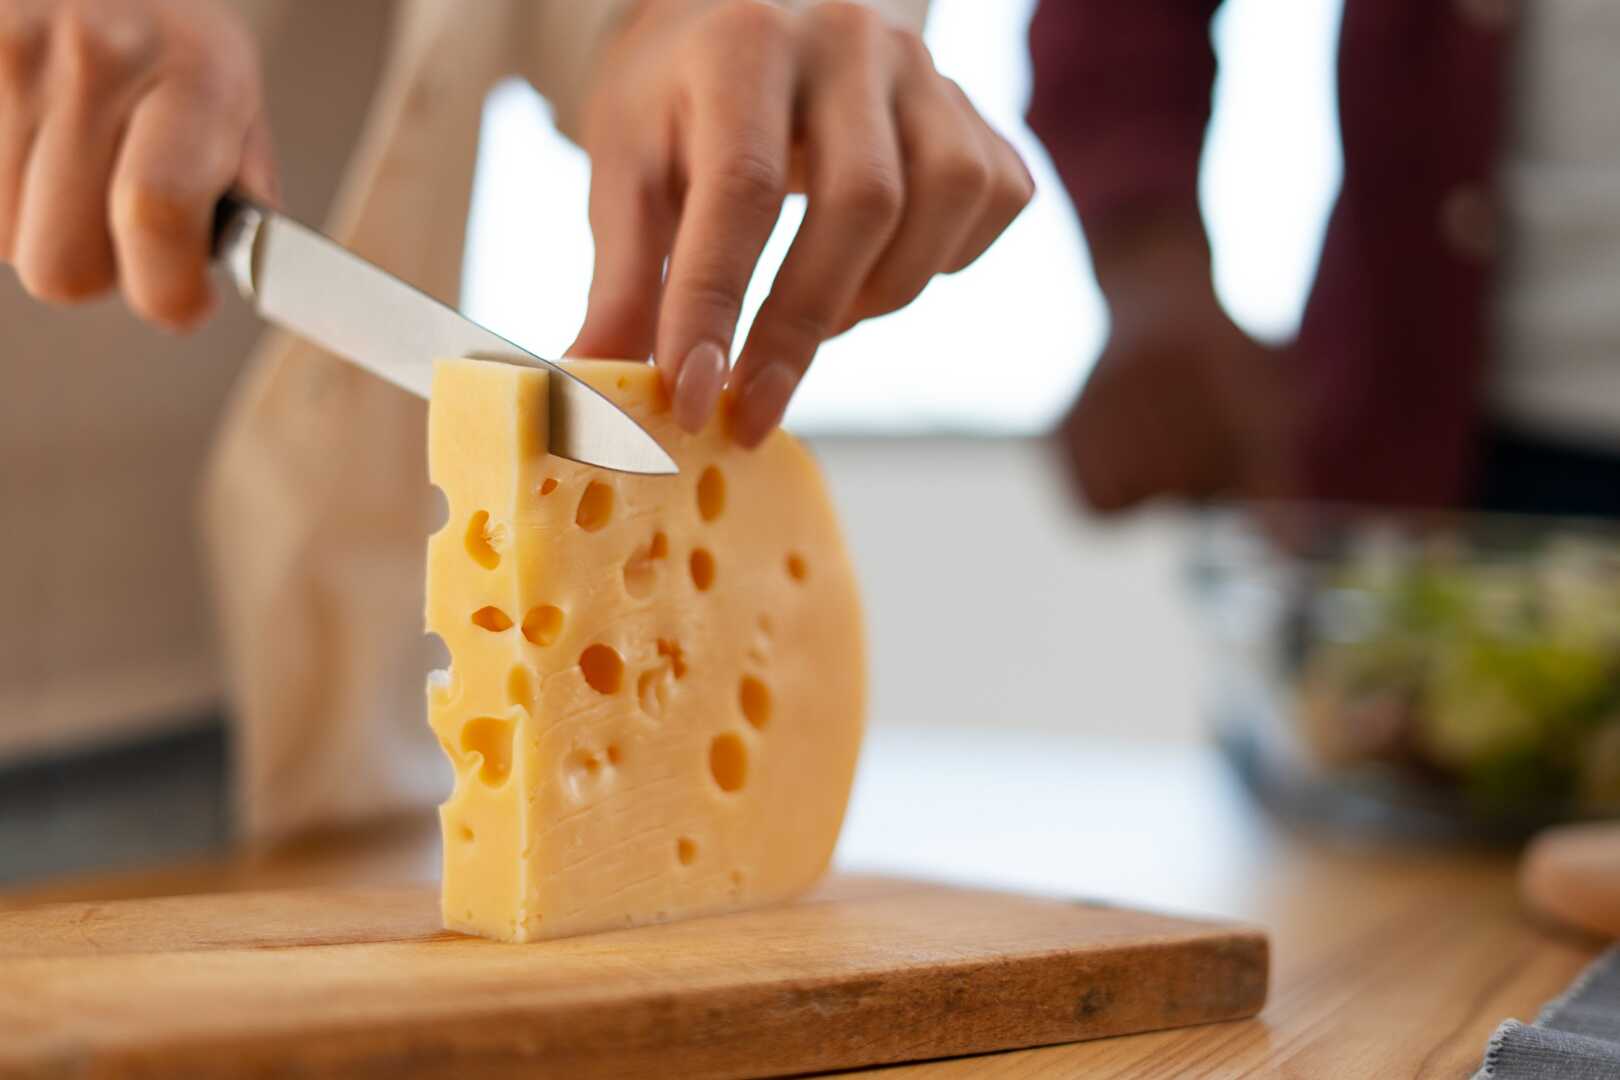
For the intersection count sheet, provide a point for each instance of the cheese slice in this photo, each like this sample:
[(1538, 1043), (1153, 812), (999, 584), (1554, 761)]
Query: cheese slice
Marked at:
[(657, 685)]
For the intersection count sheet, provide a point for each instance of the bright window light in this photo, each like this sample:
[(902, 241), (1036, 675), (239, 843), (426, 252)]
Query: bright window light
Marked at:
[(1001, 347)]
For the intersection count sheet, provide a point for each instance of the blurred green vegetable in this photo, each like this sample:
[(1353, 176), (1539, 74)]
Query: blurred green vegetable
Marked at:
[(1498, 676)]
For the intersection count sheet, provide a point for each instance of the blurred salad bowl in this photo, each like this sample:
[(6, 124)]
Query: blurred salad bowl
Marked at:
[(1443, 676)]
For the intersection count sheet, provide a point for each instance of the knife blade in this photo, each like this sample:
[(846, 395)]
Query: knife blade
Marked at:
[(306, 283)]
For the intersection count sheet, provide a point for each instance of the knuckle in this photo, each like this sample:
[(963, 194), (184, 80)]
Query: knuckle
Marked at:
[(892, 294), (911, 50), (60, 276), (755, 23), (798, 330), (96, 53), (849, 22), (210, 90), (635, 196), (1014, 184), (870, 195), (1022, 187), (22, 54), (961, 175), (178, 303), (223, 80), (147, 208), (753, 180), (710, 294)]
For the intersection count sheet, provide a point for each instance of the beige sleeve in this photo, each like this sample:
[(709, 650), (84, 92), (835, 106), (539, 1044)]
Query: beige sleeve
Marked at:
[(567, 33)]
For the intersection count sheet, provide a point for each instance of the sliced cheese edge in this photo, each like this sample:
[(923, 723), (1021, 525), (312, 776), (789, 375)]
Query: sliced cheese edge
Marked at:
[(657, 688)]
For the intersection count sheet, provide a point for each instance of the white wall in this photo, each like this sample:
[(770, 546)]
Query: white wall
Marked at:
[(1028, 313), (991, 600)]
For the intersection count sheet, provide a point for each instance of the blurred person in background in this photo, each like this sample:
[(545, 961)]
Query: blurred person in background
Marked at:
[(1461, 344), (1460, 348)]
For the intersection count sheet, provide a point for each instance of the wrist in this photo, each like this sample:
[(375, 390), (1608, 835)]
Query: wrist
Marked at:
[(1152, 258)]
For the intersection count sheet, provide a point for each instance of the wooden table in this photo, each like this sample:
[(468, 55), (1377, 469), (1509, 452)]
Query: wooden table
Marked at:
[(1388, 961)]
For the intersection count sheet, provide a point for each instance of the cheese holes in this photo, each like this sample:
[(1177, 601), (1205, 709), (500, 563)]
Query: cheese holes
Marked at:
[(548, 485), (603, 668), (672, 651), (490, 737), (728, 762), (640, 576), (759, 650), (543, 625), (702, 564), (641, 569), (711, 493), (492, 619), (520, 686), (615, 754), (652, 690), (624, 382), (755, 699), (797, 568), (467, 835), (582, 769), (595, 507), (654, 685), (686, 851), (484, 541)]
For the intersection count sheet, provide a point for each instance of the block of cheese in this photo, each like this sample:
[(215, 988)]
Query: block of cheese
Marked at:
[(657, 684)]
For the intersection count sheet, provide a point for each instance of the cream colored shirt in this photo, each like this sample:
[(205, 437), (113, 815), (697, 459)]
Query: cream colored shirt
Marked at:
[(1557, 368)]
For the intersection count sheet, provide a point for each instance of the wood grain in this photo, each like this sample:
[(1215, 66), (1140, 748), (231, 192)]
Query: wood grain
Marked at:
[(364, 983), (1387, 961)]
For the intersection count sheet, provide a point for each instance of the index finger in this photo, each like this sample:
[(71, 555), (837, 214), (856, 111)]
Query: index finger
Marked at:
[(737, 150)]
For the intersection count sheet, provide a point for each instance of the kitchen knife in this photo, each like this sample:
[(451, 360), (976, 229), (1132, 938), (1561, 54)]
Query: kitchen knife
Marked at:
[(303, 282)]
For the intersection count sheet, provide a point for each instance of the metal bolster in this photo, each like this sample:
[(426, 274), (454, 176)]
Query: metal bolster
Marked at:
[(238, 244)]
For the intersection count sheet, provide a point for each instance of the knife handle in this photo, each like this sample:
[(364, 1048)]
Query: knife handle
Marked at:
[(237, 223)]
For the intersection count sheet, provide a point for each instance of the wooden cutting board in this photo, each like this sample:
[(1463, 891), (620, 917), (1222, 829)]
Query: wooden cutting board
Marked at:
[(359, 983)]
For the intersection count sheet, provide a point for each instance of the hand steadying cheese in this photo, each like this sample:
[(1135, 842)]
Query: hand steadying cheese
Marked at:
[(701, 108), (657, 684), (123, 121)]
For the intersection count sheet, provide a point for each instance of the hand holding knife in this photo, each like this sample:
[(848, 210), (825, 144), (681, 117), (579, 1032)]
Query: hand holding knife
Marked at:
[(127, 129)]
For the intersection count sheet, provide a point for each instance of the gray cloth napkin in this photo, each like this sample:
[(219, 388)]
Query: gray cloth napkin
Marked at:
[(1576, 1037)]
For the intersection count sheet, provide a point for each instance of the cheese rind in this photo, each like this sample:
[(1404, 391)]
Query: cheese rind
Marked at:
[(657, 686)]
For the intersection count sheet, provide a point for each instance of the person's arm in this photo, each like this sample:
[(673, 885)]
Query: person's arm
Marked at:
[(1181, 402), (1121, 100), (699, 115)]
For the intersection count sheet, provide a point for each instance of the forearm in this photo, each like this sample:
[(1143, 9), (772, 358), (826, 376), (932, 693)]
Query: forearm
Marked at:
[(1121, 99), (1149, 253)]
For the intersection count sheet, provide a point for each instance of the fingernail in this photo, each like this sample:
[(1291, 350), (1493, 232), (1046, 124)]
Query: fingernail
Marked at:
[(697, 387), (761, 404)]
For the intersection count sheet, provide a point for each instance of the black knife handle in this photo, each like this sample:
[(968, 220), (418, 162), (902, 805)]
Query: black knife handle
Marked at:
[(235, 235), (230, 206)]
